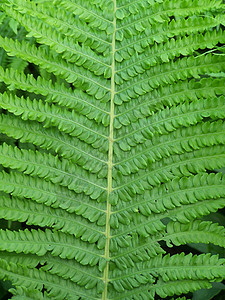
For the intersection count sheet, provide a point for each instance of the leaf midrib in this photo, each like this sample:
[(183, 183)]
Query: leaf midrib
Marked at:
[(110, 162)]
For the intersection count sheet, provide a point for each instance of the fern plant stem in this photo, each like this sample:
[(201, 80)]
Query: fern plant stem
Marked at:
[(110, 164)]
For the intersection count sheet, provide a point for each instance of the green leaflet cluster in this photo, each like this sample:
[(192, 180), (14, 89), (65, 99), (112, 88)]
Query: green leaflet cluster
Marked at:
[(112, 124)]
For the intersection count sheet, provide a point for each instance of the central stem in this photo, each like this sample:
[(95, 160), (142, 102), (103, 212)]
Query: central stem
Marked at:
[(110, 164)]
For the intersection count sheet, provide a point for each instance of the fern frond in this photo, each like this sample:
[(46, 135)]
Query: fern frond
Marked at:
[(67, 24), (158, 11), (168, 268), (168, 73), (38, 214), (92, 14), (51, 139), (186, 164), (58, 244), (173, 47), (56, 93), (20, 275), (68, 269), (81, 56), (161, 32), (181, 141), (53, 64), (205, 232), (111, 137), (54, 116), (51, 168), (183, 91), (26, 294), (168, 120), (173, 198), (51, 195)]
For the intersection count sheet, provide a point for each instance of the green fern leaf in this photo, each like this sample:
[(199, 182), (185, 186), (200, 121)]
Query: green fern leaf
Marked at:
[(112, 125)]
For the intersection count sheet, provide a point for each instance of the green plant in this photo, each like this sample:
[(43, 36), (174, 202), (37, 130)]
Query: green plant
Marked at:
[(114, 116)]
